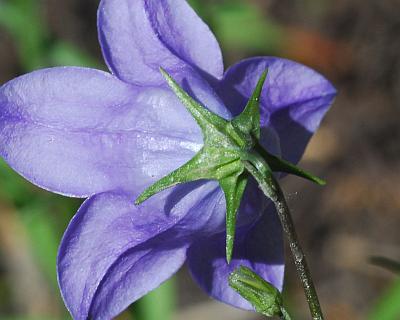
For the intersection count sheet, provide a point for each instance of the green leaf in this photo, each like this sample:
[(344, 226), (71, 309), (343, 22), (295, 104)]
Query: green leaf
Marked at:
[(263, 296), (233, 187)]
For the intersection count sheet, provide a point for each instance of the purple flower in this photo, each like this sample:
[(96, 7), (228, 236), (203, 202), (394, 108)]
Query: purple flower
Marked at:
[(86, 133)]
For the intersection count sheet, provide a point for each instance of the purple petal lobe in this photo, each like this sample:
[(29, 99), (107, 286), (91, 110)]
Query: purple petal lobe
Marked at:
[(137, 37), (113, 253), (135, 274), (80, 131), (294, 100), (259, 248)]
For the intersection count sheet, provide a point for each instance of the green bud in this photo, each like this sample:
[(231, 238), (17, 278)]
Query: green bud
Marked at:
[(263, 296)]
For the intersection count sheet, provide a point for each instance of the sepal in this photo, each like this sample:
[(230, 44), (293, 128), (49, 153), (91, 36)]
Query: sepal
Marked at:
[(280, 165), (233, 187), (249, 120), (208, 164), (213, 127), (231, 153)]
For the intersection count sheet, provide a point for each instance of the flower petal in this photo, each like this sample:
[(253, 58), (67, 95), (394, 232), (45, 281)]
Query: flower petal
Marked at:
[(113, 253), (259, 248), (294, 100), (80, 131), (137, 37)]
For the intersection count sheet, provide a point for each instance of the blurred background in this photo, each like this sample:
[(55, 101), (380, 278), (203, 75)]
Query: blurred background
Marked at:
[(350, 228)]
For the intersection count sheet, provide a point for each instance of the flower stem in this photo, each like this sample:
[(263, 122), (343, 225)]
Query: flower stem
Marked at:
[(298, 255), (273, 191)]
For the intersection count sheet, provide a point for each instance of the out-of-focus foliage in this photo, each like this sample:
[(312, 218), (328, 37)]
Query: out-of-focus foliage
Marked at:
[(22, 19), (241, 26), (388, 305), (37, 47), (158, 304), (39, 219)]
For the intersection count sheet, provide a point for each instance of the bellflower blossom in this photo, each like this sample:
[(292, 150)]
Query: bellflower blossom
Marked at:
[(106, 137)]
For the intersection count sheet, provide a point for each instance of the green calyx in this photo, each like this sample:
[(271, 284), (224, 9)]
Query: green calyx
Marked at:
[(263, 296), (230, 149)]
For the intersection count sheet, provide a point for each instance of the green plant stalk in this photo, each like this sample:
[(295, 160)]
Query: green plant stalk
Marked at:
[(272, 190)]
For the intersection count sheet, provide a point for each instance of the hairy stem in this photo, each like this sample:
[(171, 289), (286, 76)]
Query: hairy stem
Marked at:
[(272, 190), (298, 255)]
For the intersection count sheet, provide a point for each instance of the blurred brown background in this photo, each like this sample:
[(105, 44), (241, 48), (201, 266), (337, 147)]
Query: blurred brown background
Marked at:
[(354, 43)]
